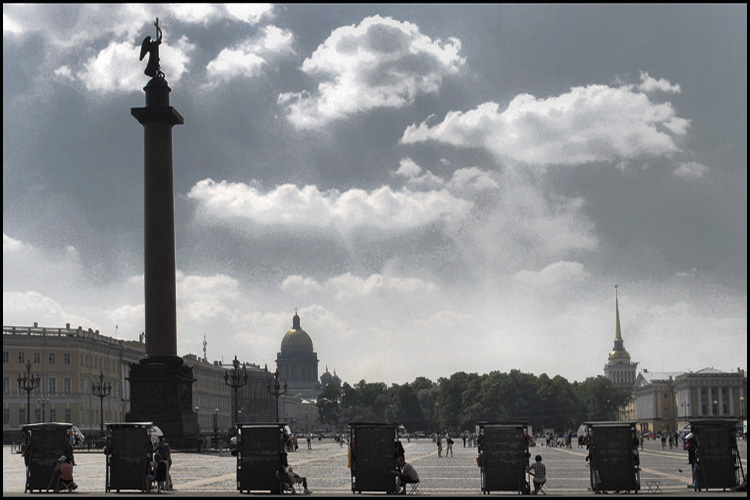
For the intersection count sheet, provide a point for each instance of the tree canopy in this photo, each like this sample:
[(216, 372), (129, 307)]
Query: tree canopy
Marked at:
[(458, 402)]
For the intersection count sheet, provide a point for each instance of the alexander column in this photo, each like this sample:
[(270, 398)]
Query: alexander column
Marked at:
[(160, 384)]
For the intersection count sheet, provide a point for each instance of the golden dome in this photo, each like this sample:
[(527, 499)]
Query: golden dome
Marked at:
[(619, 354), (296, 338), (326, 378)]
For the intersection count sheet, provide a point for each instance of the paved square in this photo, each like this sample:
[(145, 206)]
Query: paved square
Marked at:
[(326, 471)]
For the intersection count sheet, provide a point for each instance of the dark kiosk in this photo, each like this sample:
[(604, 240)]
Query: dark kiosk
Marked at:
[(503, 449), (718, 462), (614, 464), (45, 444), (372, 459), (129, 449), (259, 447)]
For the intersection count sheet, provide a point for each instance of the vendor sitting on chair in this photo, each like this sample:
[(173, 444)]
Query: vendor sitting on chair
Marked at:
[(289, 477), (539, 471), (65, 479), (406, 474)]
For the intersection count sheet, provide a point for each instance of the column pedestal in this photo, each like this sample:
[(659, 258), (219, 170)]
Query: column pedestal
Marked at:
[(161, 392)]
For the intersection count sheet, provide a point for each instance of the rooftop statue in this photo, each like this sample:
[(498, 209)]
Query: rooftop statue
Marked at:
[(152, 49)]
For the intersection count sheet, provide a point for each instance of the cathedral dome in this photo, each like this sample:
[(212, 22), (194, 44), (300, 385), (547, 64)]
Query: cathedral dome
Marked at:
[(296, 338), (326, 378)]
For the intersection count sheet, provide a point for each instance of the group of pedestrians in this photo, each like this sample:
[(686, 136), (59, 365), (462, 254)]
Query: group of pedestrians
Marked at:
[(438, 439), (672, 437), (159, 466)]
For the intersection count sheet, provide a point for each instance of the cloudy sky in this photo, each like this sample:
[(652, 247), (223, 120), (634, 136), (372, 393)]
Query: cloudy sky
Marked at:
[(434, 188)]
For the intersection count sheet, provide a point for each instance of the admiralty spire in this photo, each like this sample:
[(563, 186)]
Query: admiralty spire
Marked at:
[(619, 369)]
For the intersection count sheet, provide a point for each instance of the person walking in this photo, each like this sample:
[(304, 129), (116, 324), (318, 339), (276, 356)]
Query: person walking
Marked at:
[(448, 445), (439, 441)]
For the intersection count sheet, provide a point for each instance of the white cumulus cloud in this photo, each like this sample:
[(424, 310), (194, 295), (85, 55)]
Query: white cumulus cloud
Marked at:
[(116, 68), (557, 275), (690, 170), (382, 62), (381, 208), (587, 124), (248, 58), (650, 84)]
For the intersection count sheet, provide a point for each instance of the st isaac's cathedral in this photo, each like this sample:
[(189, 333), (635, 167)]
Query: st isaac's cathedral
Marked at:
[(297, 364)]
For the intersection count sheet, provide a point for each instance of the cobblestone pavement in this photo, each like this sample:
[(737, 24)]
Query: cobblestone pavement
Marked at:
[(326, 471)]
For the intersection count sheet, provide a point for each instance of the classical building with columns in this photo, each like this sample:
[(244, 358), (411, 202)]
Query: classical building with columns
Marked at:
[(666, 401)]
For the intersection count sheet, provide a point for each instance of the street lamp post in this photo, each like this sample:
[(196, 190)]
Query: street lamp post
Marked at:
[(685, 409), (101, 391), (742, 410), (216, 426), (238, 379), (43, 401), (275, 391), (28, 384)]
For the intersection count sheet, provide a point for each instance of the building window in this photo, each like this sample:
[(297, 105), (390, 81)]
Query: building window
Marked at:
[(52, 415), (6, 416), (67, 385), (52, 386), (37, 357), (6, 357), (6, 385), (52, 358), (68, 415), (22, 357), (66, 358), (37, 415), (21, 416)]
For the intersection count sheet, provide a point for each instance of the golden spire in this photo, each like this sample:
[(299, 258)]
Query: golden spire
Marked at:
[(618, 333)]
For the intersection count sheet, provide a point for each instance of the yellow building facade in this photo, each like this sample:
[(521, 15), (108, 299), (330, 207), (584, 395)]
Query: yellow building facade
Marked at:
[(68, 361)]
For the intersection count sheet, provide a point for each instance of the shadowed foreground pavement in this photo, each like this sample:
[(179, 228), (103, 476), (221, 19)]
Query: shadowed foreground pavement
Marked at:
[(213, 474)]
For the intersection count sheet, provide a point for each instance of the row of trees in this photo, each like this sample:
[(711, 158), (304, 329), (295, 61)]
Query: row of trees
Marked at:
[(460, 401)]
